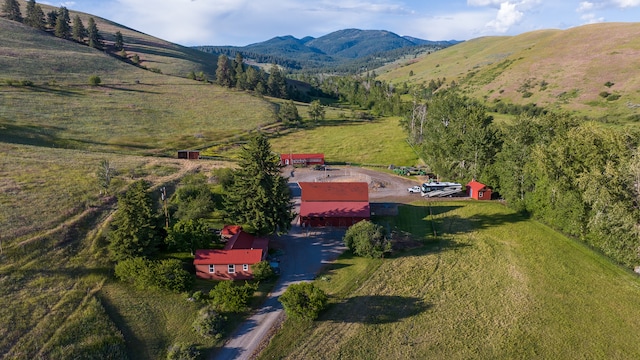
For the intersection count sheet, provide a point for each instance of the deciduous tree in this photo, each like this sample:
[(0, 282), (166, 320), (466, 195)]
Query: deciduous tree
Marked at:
[(316, 110), (367, 239), (303, 301)]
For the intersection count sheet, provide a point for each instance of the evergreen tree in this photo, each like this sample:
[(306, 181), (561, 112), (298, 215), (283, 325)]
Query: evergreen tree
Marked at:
[(119, 41), (11, 10), (134, 230), (35, 16), (277, 83), (78, 32), (62, 27), (288, 113), (259, 196), (52, 19), (224, 72), (241, 77), (95, 40)]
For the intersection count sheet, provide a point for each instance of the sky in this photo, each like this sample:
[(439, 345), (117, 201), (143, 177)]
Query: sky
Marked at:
[(244, 22)]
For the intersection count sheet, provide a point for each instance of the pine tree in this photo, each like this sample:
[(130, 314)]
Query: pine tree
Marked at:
[(52, 19), (259, 196), (63, 29), (11, 9), (224, 74), (277, 84), (241, 77), (95, 40), (134, 232), (119, 41), (35, 16), (79, 32)]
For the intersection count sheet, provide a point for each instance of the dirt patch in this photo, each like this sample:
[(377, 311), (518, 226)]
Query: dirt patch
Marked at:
[(401, 240)]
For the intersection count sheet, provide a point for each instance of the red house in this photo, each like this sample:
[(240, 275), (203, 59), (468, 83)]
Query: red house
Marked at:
[(478, 190), (301, 159), (338, 204), (235, 261)]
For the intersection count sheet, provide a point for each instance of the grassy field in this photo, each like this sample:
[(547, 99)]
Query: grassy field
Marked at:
[(491, 285), (377, 142)]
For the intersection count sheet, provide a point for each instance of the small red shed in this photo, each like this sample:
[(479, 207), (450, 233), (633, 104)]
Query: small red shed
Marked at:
[(301, 159), (189, 154), (478, 190), (235, 261)]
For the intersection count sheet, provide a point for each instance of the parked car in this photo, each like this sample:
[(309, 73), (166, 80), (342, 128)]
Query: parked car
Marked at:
[(414, 189)]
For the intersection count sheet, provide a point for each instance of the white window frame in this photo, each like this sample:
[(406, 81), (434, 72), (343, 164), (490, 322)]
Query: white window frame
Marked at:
[(212, 268), (231, 268), (245, 267)]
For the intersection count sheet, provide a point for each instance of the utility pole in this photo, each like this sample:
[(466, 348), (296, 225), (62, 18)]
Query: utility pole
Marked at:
[(163, 192)]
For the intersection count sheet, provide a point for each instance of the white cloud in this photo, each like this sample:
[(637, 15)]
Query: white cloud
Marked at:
[(484, 2), (585, 6), (626, 3), (508, 15)]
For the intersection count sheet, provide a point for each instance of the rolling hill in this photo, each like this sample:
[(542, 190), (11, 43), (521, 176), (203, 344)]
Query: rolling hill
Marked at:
[(570, 69)]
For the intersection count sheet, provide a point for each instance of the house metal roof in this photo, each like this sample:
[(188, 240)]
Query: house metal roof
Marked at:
[(301, 156), (219, 257), (335, 191)]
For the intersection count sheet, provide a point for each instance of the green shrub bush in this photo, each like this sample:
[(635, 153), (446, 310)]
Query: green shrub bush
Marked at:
[(262, 270), (303, 301), (209, 323)]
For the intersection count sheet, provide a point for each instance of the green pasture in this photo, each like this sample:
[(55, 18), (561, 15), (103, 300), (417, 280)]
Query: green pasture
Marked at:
[(492, 284), (377, 142)]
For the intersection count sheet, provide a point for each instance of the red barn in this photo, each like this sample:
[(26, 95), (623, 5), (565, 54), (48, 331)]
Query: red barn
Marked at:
[(334, 204), (478, 190), (301, 159), (234, 262)]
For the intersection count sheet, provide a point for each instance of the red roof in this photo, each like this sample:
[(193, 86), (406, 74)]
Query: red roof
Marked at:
[(230, 230), (335, 209), (335, 191), (243, 240), (301, 156), (476, 186), (237, 256)]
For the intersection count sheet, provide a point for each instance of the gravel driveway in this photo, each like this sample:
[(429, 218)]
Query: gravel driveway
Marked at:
[(303, 252)]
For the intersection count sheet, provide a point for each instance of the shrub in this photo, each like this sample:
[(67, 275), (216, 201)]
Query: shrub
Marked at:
[(170, 275), (95, 80), (609, 84), (228, 296), (262, 270), (209, 323), (182, 351), (367, 239), (605, 94), (303, 301), (613, 97), (134, 271)]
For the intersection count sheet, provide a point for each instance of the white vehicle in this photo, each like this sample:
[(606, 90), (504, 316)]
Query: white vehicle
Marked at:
[(414, 189), (440, 189)]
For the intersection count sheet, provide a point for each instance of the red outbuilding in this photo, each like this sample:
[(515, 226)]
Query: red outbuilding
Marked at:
[(235, 261), (338, 204), (478, 190), (301, 159), (189, 154)]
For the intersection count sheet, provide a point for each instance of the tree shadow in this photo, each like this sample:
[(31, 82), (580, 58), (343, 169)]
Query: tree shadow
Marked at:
[(374, 309)]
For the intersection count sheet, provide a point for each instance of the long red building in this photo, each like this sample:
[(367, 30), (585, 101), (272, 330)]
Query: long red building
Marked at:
[(301, 159), (338, 204)]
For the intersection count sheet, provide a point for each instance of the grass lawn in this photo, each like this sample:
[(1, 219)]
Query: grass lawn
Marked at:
[(376, 142), (491, 285)]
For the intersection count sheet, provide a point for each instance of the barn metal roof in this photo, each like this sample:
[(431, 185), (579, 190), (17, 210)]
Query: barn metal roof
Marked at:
[(335, 191), (335, 209), (475, 185), (302, 156)]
